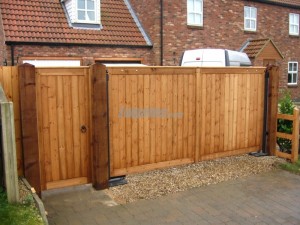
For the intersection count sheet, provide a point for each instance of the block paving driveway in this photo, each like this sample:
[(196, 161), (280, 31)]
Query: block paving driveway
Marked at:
[(268, 198)]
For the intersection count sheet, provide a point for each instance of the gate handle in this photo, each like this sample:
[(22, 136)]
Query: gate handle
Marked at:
[(83, 129)]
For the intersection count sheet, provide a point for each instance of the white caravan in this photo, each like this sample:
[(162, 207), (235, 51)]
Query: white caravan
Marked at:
[(214, 58)]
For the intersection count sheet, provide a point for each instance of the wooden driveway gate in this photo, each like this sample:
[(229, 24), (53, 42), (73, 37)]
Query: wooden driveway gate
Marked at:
[(164, 116)]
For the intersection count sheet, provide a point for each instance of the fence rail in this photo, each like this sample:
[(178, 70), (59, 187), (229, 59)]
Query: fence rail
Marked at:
[(294, 136)]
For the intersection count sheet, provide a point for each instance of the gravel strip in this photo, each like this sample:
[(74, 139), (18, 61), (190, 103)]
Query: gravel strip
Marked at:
[(25, 194), (153, 184)]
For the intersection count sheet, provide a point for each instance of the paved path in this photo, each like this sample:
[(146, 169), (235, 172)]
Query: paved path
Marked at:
[(270, 198)]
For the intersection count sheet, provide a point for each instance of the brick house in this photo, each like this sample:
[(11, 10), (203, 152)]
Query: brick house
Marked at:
[(116, 30), (62, 32), (174, 26)]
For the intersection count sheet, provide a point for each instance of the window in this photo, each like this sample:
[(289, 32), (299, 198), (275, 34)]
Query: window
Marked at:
[(293, 73), (294, 24), (195, 12), (86, 10), (83, 14), (250, 14)]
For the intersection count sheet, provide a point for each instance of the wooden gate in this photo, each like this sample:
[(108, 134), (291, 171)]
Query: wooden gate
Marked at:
[(64, 126), (164, 116)]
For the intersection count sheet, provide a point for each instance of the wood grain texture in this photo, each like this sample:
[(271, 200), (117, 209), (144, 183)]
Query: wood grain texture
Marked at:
[(9, 79), (63, 110), (100, 139), (29, 126), (183, 113)]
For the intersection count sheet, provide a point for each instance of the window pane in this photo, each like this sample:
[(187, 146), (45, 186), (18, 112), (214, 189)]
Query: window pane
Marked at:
[(81, 4), (253, 13), (291, 18), (291, 29), (294, 78), (295, 67), (190, 5), (290, 66), (252, 26), (248, 24), (296, 19), (247, 12), (91, 15), (90, 5), (81, 15), (289, 78), (197, 19), (197, 6)]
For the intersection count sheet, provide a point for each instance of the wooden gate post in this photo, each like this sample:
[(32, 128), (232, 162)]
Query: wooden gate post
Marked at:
[(295, 140), (29, 122), (272, 108), (9, 148), (100, 135)]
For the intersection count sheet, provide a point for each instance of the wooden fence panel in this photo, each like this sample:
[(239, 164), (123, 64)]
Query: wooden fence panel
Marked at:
[(169, 116), (231, 111), (9, 79), (152, 119)]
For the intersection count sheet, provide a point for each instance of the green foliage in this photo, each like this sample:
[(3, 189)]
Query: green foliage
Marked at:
[(286, 106), (28, 200), (17, 214)]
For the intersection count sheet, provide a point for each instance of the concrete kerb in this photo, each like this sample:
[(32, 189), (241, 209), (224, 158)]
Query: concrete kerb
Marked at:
[(38, 202)]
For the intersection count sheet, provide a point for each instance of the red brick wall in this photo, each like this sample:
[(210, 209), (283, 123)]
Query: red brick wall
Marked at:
[(223, 28), (2, 41), (148, 13), (87, 53)]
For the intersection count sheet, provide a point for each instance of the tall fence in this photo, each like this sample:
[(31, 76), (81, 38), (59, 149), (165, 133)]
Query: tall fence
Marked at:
[(89, 124), (169, 116), (9, 79)]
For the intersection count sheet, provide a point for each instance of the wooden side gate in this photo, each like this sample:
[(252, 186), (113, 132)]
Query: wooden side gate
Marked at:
[(64, 125)]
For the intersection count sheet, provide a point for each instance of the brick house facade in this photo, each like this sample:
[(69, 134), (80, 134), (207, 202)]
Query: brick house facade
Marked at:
[(42, 30), (126, 24), (223, 27)]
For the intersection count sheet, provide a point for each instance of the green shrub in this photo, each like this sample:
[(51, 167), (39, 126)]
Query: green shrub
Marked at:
[(286, 106)]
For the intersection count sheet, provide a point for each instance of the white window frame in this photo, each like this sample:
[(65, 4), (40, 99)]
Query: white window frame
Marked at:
[(251, 18), (293, 24), (192, 12), (292, 73), (86, 12)]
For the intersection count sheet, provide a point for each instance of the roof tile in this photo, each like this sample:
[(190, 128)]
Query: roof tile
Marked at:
[(254, 47), (289, 2), (45, 21)]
